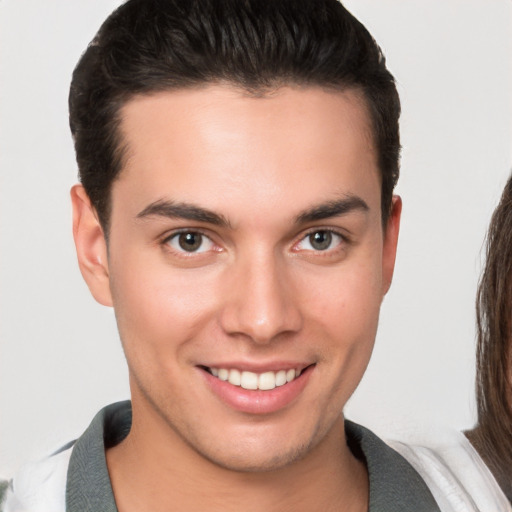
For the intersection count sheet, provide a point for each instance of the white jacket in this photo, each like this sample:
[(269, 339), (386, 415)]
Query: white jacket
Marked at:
[(456, 475), (39, 486)]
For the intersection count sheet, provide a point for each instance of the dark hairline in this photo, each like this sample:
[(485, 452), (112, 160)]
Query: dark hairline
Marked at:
[(147, 46), (122, 146)]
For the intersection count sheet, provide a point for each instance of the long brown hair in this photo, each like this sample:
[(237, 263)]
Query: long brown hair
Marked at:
[(493, 435)]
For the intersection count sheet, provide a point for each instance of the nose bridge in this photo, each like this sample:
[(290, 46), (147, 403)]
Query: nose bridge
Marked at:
[(260, 303)]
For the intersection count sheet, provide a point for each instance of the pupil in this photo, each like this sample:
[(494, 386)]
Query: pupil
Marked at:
[(190, 241), (321, 240)]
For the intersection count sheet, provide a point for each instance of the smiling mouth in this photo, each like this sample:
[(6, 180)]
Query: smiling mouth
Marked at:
[(264, 381)]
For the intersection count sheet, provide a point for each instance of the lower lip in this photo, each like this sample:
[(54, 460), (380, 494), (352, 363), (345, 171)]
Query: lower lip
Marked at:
[(258, 401)]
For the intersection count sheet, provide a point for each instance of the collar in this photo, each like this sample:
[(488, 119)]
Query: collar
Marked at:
[(394, 485)]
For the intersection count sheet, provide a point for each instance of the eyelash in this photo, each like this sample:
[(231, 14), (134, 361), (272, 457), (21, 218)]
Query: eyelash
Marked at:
[(344, 239), (184, 253), (204, 237)]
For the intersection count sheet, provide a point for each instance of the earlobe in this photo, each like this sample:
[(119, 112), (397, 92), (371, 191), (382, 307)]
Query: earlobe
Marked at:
[(390, 243), (91, 246)]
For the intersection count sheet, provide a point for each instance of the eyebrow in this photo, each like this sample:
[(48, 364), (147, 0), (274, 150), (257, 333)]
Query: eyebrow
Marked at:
[(333, 208), (174, 210)]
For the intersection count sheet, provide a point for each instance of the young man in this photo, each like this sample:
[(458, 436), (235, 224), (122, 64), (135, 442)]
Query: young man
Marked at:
[(237, 164)]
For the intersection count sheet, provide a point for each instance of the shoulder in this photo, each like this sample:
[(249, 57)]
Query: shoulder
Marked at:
[(39, 486), (456, 475), (76, 476)]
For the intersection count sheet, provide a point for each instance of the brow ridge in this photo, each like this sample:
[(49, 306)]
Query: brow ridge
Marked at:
[(334, 208), (180, 210)]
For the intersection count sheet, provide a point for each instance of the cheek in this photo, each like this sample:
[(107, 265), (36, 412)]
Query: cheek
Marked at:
[(350, 326), (348, 297), (158, 307), (344, 311)]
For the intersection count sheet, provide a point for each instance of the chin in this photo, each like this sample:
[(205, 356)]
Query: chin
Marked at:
[(244, 460)]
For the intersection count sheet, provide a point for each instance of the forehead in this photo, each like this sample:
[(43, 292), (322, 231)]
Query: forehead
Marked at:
[(218, 144)]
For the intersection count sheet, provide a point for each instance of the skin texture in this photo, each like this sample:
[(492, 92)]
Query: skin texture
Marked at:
[(256, 295)]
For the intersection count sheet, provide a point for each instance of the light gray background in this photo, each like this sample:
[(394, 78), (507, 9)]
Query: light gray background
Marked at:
[(60, 357)]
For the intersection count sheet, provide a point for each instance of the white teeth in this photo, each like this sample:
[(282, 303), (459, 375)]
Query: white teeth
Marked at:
[(235, 377), (250, 380), (281, 377), (267, 381)]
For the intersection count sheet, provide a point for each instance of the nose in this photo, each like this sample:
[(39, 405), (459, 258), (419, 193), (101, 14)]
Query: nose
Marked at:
[(259, 301)]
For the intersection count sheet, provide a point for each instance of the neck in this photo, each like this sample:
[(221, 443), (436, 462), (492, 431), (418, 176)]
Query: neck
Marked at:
[(154, 469)]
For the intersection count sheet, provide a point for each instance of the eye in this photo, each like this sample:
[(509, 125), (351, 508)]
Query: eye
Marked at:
[(320, 240), (190, 241)]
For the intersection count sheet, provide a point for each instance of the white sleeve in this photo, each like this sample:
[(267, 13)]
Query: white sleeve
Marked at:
[(40, 486)]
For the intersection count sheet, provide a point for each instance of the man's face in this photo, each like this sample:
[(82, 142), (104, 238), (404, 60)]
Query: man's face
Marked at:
[(246, 244)]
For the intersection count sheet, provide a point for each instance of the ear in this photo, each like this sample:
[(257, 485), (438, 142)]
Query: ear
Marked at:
[(390, 243), (91, 246)]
